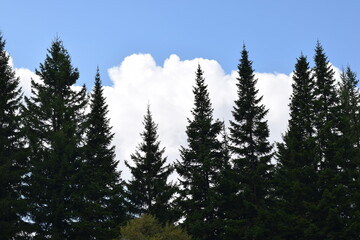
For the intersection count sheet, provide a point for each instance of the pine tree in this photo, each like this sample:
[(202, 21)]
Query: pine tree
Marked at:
[(148, 191), (225, 188), (349, 152), (329, 222), (297, 169), (55, 125), (101, 209), (325, 106), (13, 162), (199, 166), (249, 134)]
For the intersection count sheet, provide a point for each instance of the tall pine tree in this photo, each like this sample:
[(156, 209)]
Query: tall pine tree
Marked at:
[(325, 106), (12, 154), (55, 127), (225, 188), (297, 166), (148, 191), (349, 152), (329, 222), (199, 166), (249, 134), (101, 208)]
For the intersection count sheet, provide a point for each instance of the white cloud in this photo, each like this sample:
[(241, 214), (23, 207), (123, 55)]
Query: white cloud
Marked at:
[(168, 88), (337, 73), (11, 61), (276, 90), (25, 76), (138, 80)]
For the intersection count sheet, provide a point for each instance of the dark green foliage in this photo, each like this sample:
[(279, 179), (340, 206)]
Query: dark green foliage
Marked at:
[(101, 208), (13, 159), (326, 110), (349, 152), (225, 188), (148, 228), (55, 126), (58, 177), (199, 166), (329, 221), (297, 167), (148, 191), (252, 154)]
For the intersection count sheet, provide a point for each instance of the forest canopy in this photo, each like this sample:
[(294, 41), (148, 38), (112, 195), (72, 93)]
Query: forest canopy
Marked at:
[(59, 173)]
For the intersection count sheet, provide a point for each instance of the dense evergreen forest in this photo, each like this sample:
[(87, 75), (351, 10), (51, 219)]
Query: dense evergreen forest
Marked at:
[(59, 177)]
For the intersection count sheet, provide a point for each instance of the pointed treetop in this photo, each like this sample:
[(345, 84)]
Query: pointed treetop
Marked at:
[(149, 134), (244, 51), (318, 44), (2, 42), (302, 55), (351, 75), (320, 56), (302, 60), (57, 43), (324, 74), (202, 108), (97, 77), (318, 47), (245, 65), (4, 57), (148, 115), (57, 69), (98, 105), (9, 82), (200, 81)]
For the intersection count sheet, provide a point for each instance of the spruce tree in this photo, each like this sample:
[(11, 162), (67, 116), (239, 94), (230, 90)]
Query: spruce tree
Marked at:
[(297, 169), (55, 126), (148, 191), (329, 221), (101, 208), (225, 188), (349, 152), (325, 106), (13, 162), (252, 151), (199, 166)]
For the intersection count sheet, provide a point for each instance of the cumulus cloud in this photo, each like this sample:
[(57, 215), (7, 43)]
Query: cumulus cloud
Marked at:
[(139, 81), (11, 61), (25, 76), (337, 73)]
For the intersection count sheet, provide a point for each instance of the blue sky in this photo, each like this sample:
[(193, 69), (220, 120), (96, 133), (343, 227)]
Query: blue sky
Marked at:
[(105, 32), (148, 52)]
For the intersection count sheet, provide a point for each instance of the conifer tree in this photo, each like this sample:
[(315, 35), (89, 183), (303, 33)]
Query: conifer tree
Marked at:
[(55, 126), (297, 168), (325, 106), (225, 188), (13, 162), (148, 191), (101, 208), (249, 134), (349, 152), (329, 222), (199, 166)]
